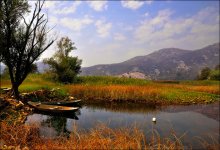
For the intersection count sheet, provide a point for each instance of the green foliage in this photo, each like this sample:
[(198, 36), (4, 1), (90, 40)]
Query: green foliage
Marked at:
[(207, 73), (215, 75), (204, 74), (34, 68), (64, 67)]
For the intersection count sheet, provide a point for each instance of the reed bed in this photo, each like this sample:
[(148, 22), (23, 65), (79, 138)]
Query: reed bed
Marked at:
[(150, 94), (99, 137), (212, 89)]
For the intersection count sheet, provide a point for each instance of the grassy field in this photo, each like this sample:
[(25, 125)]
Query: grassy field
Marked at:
[(95, 88)]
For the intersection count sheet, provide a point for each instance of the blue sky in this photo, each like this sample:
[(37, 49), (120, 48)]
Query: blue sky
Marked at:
[(114, 31)]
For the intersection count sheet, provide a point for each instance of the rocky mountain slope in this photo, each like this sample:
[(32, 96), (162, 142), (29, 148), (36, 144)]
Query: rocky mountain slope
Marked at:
[(164, 64)]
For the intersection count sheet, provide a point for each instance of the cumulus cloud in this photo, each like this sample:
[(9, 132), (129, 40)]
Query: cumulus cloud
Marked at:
[(68, 9), (147, 29), (98, 5), (103, 28), (76, 24), (50, 4), (199, 29), (132, 4)]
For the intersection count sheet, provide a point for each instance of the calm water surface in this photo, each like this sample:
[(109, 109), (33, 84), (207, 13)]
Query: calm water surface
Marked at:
[(190, 122)]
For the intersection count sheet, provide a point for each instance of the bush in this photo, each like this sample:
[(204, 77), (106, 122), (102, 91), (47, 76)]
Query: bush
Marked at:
[(215, 75), (204, 74)]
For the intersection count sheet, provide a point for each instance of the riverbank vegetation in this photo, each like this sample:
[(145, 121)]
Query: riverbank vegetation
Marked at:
[(108, 89), (100, 137)]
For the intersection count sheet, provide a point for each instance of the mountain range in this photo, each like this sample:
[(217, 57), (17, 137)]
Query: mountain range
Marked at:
[(164, 64)]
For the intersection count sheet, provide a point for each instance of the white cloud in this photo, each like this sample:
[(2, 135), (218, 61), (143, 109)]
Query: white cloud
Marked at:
[(76, 24), (162, 17), (50, 4), (68, 9), (132, 4), (148, 28), (53, 20), (196, 30), (205, 14), (103, 28), (98, 5), (119, 37)]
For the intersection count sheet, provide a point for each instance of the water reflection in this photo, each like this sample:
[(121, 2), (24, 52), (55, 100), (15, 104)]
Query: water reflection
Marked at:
[(58, 123), (121, 107), (52, 125), (186, 121)]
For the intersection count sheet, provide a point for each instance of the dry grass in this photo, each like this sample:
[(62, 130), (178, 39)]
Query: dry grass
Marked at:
[(153, 94), (5, 83), (18, 135), (115, 92), (212, 89), (100, 137)]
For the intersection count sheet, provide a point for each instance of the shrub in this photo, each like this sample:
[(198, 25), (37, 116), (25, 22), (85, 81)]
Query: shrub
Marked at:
[(215, 75)]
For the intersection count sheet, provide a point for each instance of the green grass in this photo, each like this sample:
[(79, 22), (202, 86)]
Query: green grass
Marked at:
[(189, 97), (38, 81), (200, 82), (33, 87), (108, 80)]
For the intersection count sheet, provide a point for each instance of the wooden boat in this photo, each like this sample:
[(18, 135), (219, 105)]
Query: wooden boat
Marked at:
[(64, 103), (69, 115), (52, 108)]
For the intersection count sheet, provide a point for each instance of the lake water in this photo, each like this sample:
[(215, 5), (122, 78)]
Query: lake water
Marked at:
[(188, 122)]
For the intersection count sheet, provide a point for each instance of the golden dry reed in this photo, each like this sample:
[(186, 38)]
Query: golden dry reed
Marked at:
[(212, 89), (150, 94), (100, 137)]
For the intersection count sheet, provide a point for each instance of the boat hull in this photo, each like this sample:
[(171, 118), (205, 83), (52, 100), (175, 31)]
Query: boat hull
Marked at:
[(52, 108), (64, 103)]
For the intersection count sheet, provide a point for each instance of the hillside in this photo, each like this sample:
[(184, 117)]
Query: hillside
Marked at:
[(169, 64)]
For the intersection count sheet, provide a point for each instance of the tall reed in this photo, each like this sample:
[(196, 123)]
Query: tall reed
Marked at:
[(152, 95), (99, 137)]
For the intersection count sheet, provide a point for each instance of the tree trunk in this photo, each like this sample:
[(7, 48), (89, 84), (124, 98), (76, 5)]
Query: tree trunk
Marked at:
[(14, 91)]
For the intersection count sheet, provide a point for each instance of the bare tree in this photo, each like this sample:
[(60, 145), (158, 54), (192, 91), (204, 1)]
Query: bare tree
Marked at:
[(21, 42)]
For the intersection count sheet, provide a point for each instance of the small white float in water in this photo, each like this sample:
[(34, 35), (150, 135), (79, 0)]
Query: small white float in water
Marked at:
[(154, 119)]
